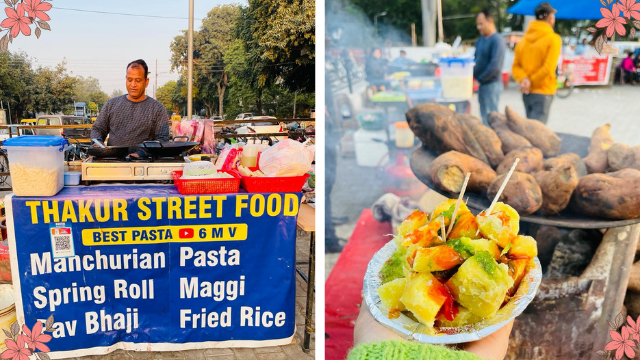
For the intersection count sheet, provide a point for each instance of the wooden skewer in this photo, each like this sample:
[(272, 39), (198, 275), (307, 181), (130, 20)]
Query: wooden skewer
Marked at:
[(455, 211), (442, 229), (504, 184)]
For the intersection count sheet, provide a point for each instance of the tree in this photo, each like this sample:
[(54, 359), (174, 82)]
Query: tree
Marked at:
[(116, 93), (92, 107), (54, 89), (169, 95), (285, 29), (210, 45), (88, 90)]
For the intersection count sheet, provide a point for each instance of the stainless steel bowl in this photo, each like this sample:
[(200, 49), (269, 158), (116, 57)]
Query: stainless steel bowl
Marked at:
[(411, 329)]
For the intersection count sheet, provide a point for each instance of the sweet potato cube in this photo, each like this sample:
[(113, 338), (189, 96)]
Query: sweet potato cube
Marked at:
[(517, 271), (424, 295), (481, 284), (465, 226), (523, 247), (463, 317), (416, 220), (468, 247), (390, 295), (501, 225), (436, 258)]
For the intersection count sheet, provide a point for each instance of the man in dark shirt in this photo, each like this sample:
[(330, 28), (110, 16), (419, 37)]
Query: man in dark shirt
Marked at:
[(489, 57), (130, 119)]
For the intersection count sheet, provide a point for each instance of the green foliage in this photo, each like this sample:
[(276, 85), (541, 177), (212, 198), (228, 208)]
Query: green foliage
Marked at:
[(92, 107), (116, 93), (210, 44), (169, 95), (285, 30), (88, 90)]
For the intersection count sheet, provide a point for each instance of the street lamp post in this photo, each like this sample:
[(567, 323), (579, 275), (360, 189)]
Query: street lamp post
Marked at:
[(375, 19)]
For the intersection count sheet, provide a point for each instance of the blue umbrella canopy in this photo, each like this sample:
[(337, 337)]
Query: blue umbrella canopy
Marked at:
[(567, 9)]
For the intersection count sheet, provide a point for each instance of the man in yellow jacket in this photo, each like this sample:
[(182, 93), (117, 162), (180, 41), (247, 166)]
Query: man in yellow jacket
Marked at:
[(535, 63)]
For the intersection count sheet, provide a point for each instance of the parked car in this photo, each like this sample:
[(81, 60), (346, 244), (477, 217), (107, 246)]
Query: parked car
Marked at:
[(64, 120), (15, 131), (244, 116)]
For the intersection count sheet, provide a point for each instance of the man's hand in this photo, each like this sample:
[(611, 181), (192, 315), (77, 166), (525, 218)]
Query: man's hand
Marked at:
[(525, 86), (492, 347)]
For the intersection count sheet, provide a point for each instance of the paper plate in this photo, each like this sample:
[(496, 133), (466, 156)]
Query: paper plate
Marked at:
[(411, 329)]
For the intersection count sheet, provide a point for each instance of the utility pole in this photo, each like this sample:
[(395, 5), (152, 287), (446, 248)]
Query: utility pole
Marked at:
[(190, 69), (295, 99), (440, 25), (156, 86), (428, 22)]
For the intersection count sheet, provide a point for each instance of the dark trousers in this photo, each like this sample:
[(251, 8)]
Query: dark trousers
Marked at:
[(537, 106), (489, 99)]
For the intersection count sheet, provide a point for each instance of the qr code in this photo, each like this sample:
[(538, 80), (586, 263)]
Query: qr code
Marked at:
[(62, 243)]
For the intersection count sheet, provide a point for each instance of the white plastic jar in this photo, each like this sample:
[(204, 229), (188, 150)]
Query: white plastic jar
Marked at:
[(36, 164)]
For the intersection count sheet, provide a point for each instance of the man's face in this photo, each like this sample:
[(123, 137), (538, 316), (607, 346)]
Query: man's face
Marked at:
[(482, 24), (136, 82), (552, 20)]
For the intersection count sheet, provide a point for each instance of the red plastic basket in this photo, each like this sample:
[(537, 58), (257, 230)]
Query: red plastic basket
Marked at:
[(206, 186), (272, 184)]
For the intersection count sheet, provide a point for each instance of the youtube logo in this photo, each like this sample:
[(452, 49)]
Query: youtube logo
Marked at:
[(185, 233)]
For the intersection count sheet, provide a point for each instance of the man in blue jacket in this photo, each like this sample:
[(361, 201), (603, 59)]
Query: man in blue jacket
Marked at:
[(489, 57)]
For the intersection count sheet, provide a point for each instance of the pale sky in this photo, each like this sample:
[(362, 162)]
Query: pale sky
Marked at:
[(101, 45)]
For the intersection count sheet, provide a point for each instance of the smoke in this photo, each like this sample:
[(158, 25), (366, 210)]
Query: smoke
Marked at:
[(349, 27)]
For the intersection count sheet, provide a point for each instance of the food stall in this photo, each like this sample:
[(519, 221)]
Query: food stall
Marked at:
[(159, 253)]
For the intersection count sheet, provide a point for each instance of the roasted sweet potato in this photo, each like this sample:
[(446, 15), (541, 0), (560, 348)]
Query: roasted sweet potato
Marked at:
[(449, 169), (536, 132), (522, 192), (622, 156), (486, 137), (557, 185), (439, 128), (574, 159), (530, 161), (613, 196), (616, 156), (510, 140), (625, 174), (601, 141)]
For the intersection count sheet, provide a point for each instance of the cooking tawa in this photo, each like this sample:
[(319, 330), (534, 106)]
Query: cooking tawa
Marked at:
[(422, 158)]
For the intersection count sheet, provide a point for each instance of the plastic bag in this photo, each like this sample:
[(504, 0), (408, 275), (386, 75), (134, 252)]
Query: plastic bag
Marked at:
[(287, 158), (227, 159)]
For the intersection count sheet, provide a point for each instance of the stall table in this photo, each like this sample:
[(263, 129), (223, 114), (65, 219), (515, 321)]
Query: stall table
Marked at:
[(142, 267)]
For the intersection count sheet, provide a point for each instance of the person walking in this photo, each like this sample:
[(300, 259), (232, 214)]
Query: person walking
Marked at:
[(489, 58), (535, 63)]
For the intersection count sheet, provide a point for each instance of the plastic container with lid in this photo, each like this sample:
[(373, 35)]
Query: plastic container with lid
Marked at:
[(404, 135), (36, 164), (456, 75)]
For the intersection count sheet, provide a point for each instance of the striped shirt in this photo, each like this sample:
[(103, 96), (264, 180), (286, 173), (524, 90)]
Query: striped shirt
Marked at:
[(130, 123)]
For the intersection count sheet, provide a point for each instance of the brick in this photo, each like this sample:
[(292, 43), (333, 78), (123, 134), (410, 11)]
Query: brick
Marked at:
[(272, 356), (245, 354), (222, 357), (218, 352)]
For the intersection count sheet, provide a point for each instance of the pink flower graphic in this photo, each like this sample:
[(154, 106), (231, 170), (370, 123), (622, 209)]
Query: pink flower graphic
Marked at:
[(622, 344), (37, 8), (612, 21), (17, 21), (16, 351), (35, 339), (634, 329), (630, 9)]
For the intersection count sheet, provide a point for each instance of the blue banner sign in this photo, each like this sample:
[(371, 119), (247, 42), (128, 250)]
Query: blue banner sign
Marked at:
[(145, 268)]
